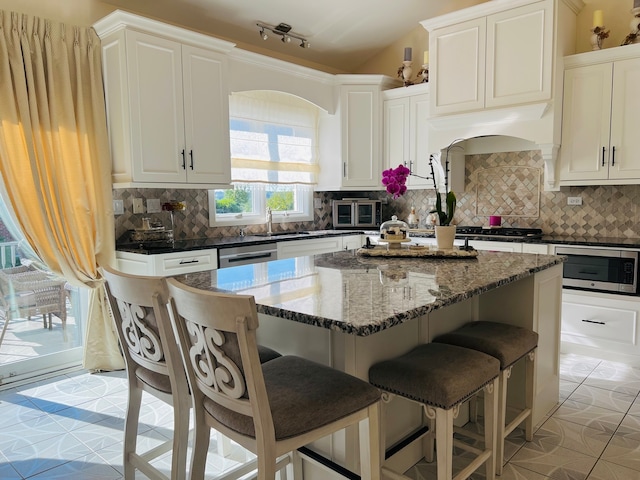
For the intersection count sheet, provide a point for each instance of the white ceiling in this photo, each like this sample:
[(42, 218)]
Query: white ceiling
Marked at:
[(343, 33)]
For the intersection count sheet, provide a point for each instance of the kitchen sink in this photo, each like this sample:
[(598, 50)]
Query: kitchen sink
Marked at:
[(280, 234)]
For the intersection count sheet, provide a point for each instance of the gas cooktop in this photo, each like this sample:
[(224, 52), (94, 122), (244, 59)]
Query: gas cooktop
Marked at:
[(512, 232)]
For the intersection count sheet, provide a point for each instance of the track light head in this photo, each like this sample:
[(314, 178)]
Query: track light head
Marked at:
[(284, 31)]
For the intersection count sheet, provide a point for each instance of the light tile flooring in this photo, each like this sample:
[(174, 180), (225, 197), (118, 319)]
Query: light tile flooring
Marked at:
[(71, 427), (594, 434)]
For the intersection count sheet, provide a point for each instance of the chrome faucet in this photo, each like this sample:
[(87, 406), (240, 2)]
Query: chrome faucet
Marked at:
[(269, 221)]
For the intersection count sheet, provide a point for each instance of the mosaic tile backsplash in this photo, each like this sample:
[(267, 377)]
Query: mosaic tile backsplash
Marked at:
[(508, 184)]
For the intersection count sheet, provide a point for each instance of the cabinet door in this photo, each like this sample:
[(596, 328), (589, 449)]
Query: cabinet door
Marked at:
[(458, 77), (586, 123), (419, 142), (360, 110), (519, 55), (496, 246), (396, 132), (625, 105), (206, 116), (154, 68)]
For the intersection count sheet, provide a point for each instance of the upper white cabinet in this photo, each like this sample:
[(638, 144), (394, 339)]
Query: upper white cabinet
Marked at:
[(496, 54), (600, 138), (167, 103), (405, 132), (350, 140)]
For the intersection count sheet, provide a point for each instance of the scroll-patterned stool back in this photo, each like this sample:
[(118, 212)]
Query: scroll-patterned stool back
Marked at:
[(217, 336)]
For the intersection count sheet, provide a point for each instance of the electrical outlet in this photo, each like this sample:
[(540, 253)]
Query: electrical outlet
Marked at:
[(153, 205), (138, 205), (574, 200), (317, 203), (118, 207), (431, 202)]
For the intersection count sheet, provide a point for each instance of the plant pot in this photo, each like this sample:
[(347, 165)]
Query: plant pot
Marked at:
[(445, 236)]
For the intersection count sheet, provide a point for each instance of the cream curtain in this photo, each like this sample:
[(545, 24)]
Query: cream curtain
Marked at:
[(54, 159)]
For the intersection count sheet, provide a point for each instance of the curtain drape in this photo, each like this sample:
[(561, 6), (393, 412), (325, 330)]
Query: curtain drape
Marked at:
[(54, 159)]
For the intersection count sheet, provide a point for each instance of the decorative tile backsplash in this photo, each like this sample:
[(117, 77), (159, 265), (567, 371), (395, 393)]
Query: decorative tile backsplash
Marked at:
[(507, 184)]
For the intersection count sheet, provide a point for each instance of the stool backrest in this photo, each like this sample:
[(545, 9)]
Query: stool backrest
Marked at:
[(217, 337), (139, 308)]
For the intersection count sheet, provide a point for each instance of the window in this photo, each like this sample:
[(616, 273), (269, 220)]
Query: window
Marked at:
[(273, 160)]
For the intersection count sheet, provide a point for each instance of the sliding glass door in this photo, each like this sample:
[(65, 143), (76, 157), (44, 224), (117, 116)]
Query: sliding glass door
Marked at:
[(42, 316)]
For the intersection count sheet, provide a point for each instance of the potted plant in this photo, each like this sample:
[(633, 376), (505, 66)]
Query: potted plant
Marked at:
[(444, 231)]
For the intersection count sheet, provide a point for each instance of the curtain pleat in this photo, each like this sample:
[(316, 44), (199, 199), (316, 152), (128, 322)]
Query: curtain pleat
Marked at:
[(55, 162)]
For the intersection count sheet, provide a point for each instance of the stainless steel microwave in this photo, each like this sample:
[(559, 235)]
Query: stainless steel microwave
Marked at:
[(357, 213), (600, 269)]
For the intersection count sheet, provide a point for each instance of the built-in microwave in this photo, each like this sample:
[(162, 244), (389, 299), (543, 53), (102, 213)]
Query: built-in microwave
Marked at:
[(357, 213), (600, 269)]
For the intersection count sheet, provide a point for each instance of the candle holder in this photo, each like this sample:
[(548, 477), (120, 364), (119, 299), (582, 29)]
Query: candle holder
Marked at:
[(405, 72), (598, 34), (424, 73), (635, 28)]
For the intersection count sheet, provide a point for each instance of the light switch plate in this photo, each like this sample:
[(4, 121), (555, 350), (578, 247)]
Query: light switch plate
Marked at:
[(153, 205), (574, 200), (118, 207), (138, 205)]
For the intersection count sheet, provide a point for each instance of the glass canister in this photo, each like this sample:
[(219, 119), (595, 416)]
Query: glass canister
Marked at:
[(394, 230)]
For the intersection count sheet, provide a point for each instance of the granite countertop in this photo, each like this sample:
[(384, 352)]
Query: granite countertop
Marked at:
[(361, 295), (224, 242)]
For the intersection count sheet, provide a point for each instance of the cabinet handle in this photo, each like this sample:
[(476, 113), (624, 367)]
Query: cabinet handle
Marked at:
[(184, 163), (613, 156), (186, 262), (344, 169), (593, 321), (603, 156), (191, 157)]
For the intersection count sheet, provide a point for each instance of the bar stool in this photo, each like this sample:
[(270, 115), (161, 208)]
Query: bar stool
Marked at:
[(508, 344), (441, 378)]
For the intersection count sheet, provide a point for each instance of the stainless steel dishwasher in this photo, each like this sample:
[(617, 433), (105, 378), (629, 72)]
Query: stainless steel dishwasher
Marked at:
[(246, 255)]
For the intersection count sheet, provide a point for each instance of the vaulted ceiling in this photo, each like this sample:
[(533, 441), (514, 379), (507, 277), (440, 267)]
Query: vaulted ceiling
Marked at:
[(343, 34)]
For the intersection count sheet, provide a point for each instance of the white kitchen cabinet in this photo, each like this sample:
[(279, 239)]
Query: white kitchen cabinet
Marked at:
[(539, 248), (496, 246), (167, 104), (167, 264), (405, 132), (601, 325), (599, 133), (350, 141), (501, 58), (312, 246), (352, 242)]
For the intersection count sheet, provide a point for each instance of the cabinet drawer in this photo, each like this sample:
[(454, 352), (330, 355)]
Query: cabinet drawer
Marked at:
[(299, 248), (189, 262), (598, 323)]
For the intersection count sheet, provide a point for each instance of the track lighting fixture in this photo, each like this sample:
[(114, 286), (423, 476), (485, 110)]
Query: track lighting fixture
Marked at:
[(284, 30)]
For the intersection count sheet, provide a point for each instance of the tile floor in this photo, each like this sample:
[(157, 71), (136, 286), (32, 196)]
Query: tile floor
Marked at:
[(71, 427)]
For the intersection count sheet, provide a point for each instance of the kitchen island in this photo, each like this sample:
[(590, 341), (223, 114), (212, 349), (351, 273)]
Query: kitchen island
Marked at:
[(350, 311)]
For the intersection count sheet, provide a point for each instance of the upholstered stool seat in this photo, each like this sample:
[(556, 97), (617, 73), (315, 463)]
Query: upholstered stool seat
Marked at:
[(441, 377), (507, 343)]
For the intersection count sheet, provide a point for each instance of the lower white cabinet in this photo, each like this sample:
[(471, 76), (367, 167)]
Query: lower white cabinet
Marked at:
[(352, 242), (167, 264), (602, 325), (540, 248), (496, 246), (312, 246)]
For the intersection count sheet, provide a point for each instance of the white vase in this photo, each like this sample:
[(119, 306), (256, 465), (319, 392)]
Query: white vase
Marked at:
[(445, 236)]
